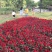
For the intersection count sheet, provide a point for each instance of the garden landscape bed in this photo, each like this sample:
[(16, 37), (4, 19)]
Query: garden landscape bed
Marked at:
[(26, 34)]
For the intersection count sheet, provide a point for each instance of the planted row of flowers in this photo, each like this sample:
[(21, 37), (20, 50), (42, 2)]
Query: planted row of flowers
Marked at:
[(26, 35)]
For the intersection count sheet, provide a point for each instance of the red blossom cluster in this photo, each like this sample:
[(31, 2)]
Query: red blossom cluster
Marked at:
[(26, 35)]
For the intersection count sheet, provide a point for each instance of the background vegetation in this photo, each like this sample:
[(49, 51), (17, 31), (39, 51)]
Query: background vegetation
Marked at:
[(6, 7)]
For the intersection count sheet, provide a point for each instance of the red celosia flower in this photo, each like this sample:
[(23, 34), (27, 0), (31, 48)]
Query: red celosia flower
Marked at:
[(24, 34)]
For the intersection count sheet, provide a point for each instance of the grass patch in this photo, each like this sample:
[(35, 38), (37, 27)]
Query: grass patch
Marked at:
[(44, 15)]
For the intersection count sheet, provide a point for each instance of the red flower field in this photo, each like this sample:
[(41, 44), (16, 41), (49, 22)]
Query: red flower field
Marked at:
[(26, 35)]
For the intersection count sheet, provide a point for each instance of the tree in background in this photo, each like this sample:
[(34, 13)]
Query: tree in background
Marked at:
[(30, 3), (17, 3), (24, 4), (2, 3), (45, 3), (11, 3)]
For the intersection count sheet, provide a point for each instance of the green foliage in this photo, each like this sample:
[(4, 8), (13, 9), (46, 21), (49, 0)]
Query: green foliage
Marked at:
[(16, 3), (30, 3), (5, 10), (8, 5), (45, 3)]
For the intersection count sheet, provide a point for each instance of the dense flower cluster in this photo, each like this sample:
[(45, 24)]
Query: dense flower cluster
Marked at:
[(26, 35)]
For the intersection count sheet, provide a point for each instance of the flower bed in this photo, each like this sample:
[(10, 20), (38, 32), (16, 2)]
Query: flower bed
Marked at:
[(26, 35)]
